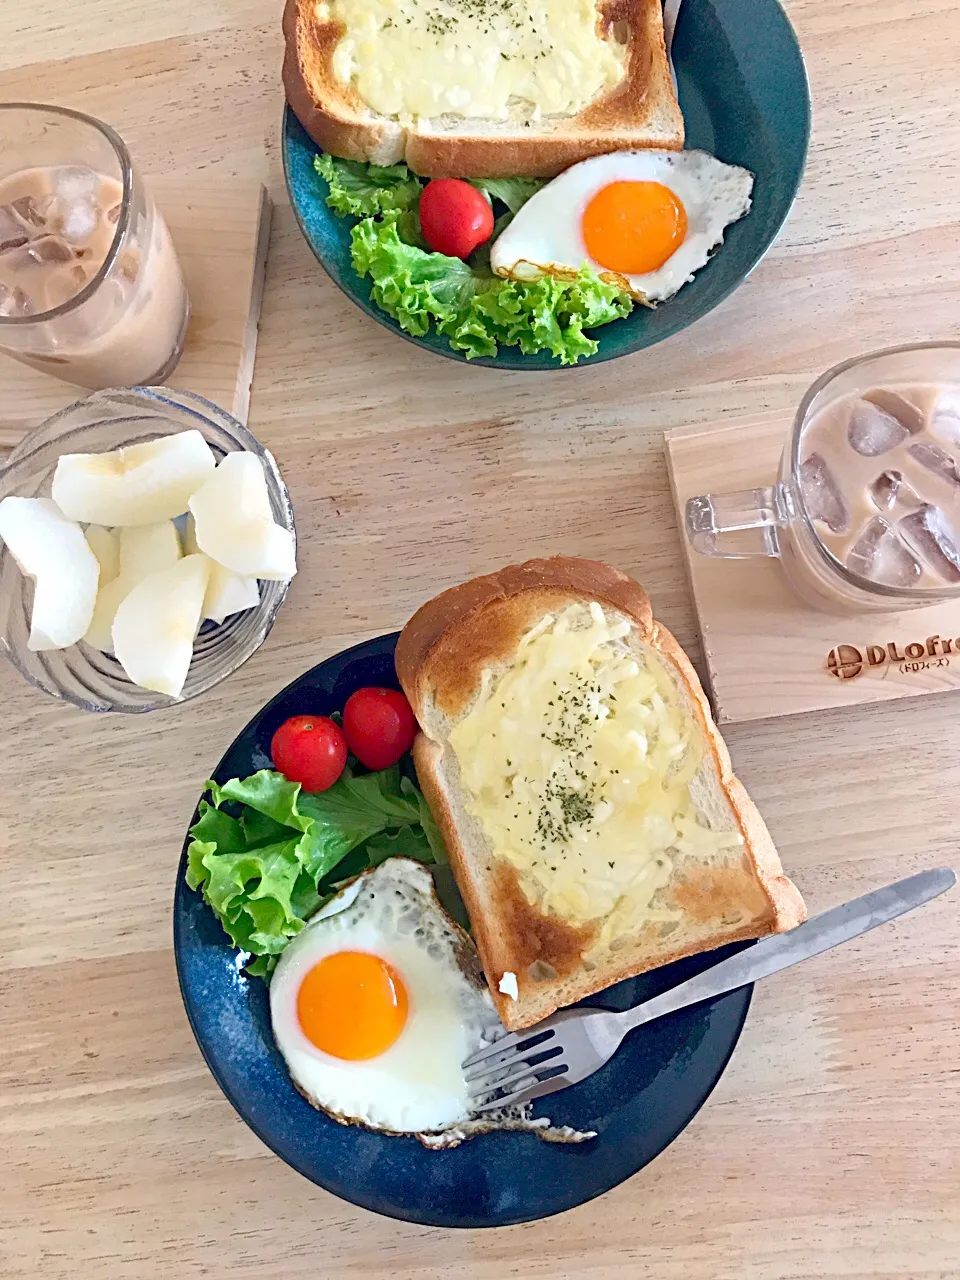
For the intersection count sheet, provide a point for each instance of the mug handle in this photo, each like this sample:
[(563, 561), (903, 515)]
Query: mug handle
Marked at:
[(736, 526)]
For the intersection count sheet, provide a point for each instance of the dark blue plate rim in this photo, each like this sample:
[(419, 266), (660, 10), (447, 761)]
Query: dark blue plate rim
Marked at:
[(542, 362), (733, 1006)]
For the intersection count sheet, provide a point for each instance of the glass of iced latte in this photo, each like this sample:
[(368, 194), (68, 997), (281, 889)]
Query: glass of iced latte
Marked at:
[(91, 289), (866, 512)]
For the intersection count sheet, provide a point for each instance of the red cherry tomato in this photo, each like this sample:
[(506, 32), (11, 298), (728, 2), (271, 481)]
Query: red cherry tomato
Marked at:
[(454, 217), (379, 726), (310, 750)]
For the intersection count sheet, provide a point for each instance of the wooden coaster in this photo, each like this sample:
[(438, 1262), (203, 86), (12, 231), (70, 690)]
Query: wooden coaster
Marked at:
[(221, 230), (768, 653)]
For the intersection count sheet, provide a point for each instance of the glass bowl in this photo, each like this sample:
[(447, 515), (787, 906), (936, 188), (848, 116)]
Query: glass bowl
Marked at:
[(106, 420)]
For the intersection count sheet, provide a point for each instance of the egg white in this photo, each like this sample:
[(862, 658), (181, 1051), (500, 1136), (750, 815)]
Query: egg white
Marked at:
[(417, 1084), (545, 236)]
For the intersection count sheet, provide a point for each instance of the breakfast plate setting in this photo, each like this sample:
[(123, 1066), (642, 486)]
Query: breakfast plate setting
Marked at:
[(745, 104), (375, 1063), (468, 917), (649, 1094)]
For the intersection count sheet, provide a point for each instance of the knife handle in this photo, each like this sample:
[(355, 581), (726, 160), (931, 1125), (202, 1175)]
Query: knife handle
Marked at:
[(781, 950)]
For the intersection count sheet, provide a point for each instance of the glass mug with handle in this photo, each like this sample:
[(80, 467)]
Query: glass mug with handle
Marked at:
[(865, 515)]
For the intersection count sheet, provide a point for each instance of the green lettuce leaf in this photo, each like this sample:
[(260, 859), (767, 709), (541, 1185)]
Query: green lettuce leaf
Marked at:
[(513, 192), (216, 827), (366, 189), (355, 803), (476, 311), (268, 793), (266, 854), (405, 842), (430, 829)]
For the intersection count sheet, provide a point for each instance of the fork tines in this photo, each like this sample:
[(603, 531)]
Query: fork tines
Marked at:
[(507, 1069)]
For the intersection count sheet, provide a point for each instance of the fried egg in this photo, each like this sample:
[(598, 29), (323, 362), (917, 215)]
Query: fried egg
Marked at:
[(377, 1002), (643, 220)]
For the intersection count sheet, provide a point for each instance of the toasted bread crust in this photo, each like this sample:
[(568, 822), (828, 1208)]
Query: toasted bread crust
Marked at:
[(440, 655), (642, 111), (447, 644), (787, 909), (343, 131)]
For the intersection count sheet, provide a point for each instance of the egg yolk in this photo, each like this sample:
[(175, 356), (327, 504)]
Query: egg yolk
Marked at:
[(633, 227), (352, 1005)]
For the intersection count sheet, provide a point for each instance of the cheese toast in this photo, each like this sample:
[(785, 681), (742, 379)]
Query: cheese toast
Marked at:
[(568, 754), (480, 88)]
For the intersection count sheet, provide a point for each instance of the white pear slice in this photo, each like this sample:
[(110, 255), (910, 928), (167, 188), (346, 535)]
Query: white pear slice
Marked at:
[(52, 551), (142, 550), (157, 622), (139, 484), (227, 592), (235, 525), (105, 545)]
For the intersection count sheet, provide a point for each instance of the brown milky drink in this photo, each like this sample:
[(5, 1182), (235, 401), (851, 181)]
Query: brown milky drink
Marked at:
[(866, 512), (90, 285), (880, 478)]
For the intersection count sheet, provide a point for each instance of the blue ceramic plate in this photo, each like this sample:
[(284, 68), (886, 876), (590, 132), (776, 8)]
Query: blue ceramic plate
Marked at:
[(744, 94), (637, 1103)]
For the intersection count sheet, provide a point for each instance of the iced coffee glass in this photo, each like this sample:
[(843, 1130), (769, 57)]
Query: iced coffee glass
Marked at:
[(865, 515), (91, 289)]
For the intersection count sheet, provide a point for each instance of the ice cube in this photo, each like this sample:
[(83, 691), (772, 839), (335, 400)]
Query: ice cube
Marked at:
[(936, 460), (15, 301), (929, 533), (885, 488), (945, 421), (50, 249), (880, 555), (12, 231), (79, 221), (822, 494), (890, 490), (872, 431), (75, 184), (65, 284), (897, 406), (30, 210), (113, 214)]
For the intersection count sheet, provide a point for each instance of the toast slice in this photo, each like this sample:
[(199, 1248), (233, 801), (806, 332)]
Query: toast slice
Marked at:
[(521, 112), (592, 839)]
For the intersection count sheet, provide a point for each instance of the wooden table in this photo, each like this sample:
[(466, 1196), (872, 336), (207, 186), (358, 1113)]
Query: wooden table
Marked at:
[(831, 1147)]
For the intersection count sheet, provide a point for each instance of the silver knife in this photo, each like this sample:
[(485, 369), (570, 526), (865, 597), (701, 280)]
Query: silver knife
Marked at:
[(579, 1041)]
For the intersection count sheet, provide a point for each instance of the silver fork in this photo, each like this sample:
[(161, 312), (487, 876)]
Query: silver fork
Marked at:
[(671, 11), (574, 1043)]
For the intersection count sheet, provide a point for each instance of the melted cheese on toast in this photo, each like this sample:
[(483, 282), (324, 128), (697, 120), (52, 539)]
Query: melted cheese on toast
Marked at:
[(577, 763), (479, 59)]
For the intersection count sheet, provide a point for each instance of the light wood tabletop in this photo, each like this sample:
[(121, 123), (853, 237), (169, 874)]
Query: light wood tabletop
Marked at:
[(831, 1147)]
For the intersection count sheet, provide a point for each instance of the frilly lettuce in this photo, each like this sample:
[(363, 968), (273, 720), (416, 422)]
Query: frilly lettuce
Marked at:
[(266, 854), (513, 192), (366, 189), (477, 311)]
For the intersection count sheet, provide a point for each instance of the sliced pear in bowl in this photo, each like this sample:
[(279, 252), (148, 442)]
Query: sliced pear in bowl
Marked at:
[(142, 551), (235, 525), (138, 484), (53, 551), (157, 623), (105, 545), (227, 592)]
